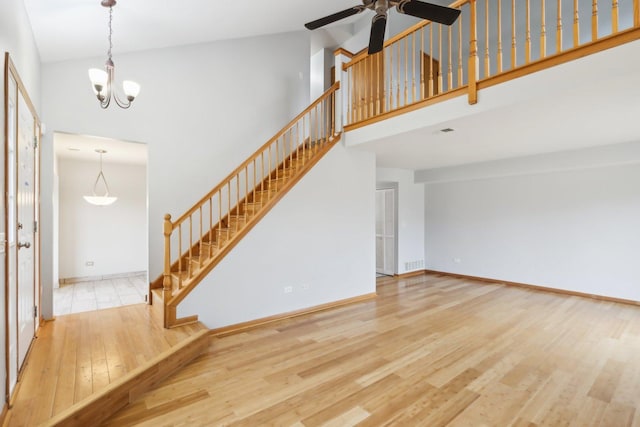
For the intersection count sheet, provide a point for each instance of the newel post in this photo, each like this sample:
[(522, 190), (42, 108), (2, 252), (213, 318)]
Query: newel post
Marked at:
[(167, 228), (473, 55), (339, 101)]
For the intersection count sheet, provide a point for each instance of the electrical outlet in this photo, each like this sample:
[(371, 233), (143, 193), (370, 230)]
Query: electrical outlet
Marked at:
[(89, 263), (288, 289), (305, 286), (457, 260)]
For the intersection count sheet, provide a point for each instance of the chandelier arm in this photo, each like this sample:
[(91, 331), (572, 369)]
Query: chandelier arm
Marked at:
[(107, 91), (120, 103)]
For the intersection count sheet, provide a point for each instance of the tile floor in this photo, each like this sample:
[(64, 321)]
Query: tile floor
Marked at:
[(99, 294)]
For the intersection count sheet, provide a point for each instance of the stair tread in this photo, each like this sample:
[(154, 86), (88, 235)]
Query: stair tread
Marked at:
[(181, 273), (200, 257)]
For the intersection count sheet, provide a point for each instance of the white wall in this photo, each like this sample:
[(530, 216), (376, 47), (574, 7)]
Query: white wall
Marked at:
[(320, 80), (550, 221), (203, 109), (320, 234), (113, 237), (17, 39), (410, 217), (361, 33)]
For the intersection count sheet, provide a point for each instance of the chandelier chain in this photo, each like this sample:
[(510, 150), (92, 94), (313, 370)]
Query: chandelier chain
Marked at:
[(110, 31)]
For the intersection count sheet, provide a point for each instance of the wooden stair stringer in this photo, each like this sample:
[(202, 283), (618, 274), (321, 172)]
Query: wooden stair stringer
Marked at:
[(182, 293)]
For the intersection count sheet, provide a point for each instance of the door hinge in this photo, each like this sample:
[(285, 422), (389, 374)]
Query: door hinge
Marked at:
[(35, 142), (35, 311), (35, 226)]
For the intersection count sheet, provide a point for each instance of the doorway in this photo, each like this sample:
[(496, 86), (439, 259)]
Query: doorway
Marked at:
[(102, 251), (21, 219), (431, 75), (386, 231)]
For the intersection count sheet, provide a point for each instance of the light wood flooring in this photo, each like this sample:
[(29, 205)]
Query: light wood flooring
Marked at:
[(79, 354), (429, 351)]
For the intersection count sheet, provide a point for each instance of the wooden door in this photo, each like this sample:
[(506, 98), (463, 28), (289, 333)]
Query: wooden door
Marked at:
[(21, 215), (367, 93), (11, 277), (25, 205), (431, 70)]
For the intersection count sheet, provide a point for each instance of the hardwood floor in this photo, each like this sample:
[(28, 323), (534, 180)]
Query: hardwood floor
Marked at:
[(429, 351), (79, 354)]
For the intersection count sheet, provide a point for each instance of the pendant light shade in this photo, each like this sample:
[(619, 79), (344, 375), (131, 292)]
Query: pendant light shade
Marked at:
[(105, 199)]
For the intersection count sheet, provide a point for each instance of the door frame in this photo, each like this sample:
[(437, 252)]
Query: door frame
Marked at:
[(11, 73), (385, 185)]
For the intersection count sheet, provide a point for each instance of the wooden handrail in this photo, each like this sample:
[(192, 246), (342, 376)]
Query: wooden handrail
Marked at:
[(255, 155)]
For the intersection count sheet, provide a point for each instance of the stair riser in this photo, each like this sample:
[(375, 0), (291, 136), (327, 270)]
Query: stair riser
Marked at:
[(264, 197), (223, 236), (251, 208), (275, 184)]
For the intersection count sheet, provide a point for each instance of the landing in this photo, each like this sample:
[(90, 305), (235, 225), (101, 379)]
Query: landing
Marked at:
[(80, 354)]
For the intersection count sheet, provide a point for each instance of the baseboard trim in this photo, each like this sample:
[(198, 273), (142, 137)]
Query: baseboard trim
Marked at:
[(71, 280), (100, 406), (409, 274), (537, 287), (241, 327)]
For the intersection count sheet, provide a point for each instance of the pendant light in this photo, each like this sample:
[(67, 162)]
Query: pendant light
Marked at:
[(102, 81), (105, 199)]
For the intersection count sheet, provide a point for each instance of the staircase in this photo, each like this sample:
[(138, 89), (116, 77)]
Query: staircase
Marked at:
[(421, 66), (199, 239)]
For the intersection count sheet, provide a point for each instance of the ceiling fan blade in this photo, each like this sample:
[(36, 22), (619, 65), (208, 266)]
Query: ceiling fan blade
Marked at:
[(334, 17), (378, 27), (432, 12)]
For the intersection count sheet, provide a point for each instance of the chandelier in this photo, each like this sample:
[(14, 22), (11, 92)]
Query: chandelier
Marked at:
[(105, 199), (102, 81)]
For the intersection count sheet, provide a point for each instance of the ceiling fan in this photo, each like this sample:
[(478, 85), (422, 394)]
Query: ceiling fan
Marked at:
[(432, 12)]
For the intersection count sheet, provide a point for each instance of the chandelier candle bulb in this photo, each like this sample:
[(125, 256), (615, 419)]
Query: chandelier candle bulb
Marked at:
[(98, 78), (131, 89)]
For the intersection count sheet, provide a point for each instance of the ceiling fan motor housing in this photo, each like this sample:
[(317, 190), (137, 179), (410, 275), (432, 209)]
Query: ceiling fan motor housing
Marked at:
[(381, 7)]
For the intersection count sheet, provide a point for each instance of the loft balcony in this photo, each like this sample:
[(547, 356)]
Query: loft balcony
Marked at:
[(509, 78)]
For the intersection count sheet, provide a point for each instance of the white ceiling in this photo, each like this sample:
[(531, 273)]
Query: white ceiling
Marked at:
[(67, 29)]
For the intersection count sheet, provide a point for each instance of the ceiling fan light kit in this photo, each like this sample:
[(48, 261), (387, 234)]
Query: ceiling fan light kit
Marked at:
[(432, 12)]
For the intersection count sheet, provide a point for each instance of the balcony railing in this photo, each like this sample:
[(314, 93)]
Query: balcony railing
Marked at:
[(492, 41)]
